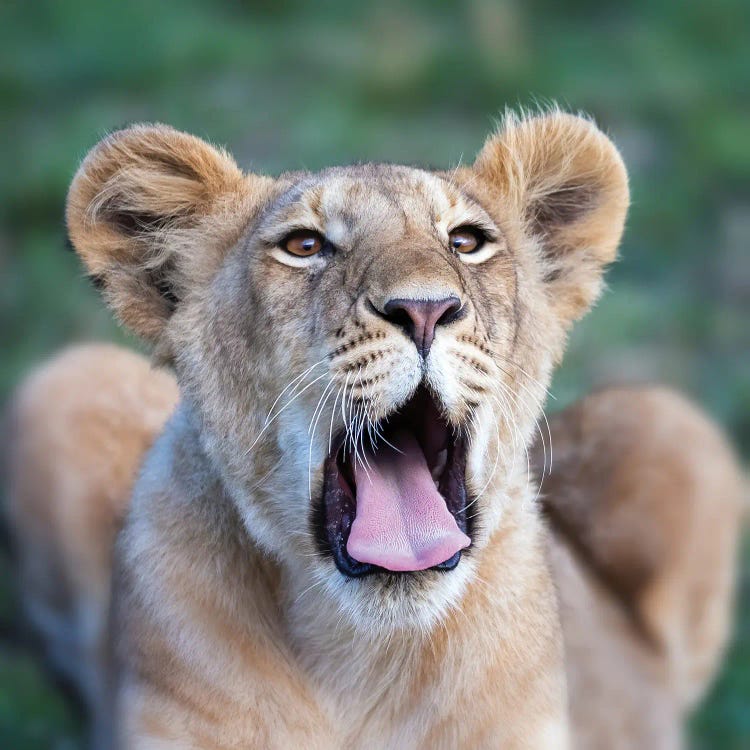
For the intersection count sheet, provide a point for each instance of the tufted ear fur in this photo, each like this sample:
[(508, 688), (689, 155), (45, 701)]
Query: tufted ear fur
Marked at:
[(151, 211), (567, 183)]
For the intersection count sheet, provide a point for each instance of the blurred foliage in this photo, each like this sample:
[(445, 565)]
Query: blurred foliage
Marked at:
[(288, 84)]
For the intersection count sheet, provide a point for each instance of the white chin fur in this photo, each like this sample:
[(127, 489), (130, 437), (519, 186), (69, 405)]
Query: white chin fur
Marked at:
[(376, 611)]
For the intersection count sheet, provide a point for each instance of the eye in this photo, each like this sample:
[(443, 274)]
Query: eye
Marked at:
[(466, 239), (303, 243)]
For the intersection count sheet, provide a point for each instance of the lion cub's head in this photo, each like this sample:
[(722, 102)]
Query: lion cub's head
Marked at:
[(367, 348)]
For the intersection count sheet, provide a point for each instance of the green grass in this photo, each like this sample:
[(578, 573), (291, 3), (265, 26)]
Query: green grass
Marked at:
[(289, 84)]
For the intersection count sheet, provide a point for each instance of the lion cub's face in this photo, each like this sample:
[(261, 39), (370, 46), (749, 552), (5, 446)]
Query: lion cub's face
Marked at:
[(368, 347)]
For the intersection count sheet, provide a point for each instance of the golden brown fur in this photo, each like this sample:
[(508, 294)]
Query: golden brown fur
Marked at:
[(644, 501), (77, 430), (230, 628)]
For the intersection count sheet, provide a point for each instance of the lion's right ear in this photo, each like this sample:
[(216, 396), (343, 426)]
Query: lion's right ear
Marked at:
[(152, 211)]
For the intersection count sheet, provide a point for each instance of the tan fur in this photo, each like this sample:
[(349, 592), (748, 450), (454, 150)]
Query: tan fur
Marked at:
[(77, 430), (645, 500), (230, 629)]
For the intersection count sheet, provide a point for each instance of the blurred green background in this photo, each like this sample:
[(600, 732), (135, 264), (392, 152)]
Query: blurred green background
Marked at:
[(287, 85)]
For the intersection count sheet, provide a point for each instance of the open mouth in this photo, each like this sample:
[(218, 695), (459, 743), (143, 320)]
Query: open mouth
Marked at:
[(398, 503)]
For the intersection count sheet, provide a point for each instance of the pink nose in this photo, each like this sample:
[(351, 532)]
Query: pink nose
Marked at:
[(419, 317)]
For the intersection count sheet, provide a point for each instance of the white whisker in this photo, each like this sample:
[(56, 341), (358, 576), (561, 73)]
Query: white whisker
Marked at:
[(311, 431), (294, 380), (333, 414), (279, 412)]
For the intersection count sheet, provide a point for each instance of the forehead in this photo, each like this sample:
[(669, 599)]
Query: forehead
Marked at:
[(346, 201)]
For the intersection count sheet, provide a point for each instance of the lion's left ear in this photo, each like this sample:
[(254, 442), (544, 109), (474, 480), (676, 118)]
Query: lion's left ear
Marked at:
[(567, 183)]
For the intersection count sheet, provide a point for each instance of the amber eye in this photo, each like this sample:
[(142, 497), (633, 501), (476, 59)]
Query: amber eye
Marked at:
[(465, 239), (303, 243)]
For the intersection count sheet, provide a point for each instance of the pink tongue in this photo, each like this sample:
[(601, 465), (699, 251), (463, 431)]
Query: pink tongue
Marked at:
[(402, 522)]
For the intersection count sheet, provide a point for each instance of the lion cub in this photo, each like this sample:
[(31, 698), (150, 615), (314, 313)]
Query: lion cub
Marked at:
[(336, 540)]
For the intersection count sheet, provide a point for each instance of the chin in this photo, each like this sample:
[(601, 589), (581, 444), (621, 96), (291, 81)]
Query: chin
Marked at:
[(383, 604)]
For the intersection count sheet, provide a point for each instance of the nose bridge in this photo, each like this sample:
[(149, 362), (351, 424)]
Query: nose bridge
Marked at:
[(409, 273)]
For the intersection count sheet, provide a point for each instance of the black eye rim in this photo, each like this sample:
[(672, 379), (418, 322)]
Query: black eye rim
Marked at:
[(325, 246), (480, 235)]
